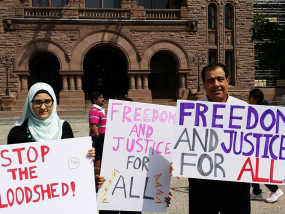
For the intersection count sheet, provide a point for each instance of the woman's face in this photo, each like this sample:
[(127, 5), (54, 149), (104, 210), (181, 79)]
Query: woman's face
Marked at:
[(42, 105)]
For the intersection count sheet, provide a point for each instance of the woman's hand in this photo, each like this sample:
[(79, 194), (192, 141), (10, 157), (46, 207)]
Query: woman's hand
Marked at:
[(99, 181), (91, 153)]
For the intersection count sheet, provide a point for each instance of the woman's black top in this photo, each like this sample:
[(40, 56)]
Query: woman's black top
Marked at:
[(21, 134)]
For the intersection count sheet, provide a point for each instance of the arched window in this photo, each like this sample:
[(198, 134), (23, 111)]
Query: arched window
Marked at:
[(102, 3), (212, 16), (228, 16), (160, 4)]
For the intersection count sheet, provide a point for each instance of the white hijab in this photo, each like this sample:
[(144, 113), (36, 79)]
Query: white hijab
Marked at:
[(41, 130)]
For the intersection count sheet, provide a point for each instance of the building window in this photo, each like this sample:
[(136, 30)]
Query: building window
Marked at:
[(159, 4), (228, 16), (212, 16), (212, 57), (46, 3), (102, 3), (40, 3), (58, 3), (230, 65)]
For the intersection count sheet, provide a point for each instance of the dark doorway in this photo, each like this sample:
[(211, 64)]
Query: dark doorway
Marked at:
[(44, 67), (105, 70), (163, 77)]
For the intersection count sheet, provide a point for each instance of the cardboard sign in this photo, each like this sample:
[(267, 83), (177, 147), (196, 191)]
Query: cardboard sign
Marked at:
[(51, 177), (220, 141), (136, 156)]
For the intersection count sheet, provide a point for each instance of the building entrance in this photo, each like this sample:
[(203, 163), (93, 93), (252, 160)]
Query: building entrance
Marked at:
[(44, 67), (105, 70), (163, 77)]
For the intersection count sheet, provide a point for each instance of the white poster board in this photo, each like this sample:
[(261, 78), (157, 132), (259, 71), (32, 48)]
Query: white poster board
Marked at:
[(50, 177), (220, 141), (136, 156)]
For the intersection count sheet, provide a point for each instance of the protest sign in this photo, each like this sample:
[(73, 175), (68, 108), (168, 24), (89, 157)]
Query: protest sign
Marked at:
[(220, 141), (136, 156), (50, 177)]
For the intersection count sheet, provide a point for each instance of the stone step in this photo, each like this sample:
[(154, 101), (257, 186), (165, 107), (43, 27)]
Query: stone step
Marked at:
[(169, 102), (10, 114)]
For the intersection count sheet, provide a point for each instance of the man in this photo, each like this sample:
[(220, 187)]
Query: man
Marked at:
[(97, 119), (209, 196), (97, 127)]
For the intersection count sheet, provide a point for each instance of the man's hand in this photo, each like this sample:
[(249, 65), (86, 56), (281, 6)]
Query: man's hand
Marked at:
[(171, 169), (168, 199)]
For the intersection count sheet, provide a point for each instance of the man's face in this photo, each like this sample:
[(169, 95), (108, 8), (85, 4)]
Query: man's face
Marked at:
[(100, 101), (216, 85)]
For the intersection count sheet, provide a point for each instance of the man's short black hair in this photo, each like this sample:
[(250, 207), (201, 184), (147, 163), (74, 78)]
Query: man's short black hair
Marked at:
[(94, 95), (212, 67)]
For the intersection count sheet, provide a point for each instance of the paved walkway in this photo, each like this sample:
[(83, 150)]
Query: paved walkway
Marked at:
[(179, 187)]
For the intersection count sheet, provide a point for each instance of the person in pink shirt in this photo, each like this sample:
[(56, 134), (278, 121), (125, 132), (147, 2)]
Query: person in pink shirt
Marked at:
[(97, 118), (97, 127)]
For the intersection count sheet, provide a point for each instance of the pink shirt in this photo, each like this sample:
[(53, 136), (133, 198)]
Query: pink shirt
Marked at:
[(97, 117)]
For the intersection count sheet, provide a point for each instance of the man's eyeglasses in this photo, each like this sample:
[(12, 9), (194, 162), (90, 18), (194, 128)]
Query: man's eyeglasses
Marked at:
[(39, 103)]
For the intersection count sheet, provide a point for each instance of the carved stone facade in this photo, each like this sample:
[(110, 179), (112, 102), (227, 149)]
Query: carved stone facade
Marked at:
[(143, 37)]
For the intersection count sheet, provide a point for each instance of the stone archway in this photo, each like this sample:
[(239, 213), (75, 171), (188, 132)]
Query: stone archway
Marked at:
[(105, 70), (106, 38), (183, 62), (100, 38), (23, 60), (163, 75), (179, 57), (22, 66), (44, 67)]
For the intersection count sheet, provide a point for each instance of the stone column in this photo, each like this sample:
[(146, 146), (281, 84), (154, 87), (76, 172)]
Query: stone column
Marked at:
[(182, 81), (24, 83), (72, 83), (64, 83), (145, 81), (139, 81), (78, 83), (132, 81)]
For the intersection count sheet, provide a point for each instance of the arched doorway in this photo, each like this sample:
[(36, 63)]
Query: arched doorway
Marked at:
[(105, 70), (44, 67), (163, 77)]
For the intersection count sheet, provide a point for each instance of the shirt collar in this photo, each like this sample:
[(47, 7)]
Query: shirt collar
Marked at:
[(228, 96), (96, 106)]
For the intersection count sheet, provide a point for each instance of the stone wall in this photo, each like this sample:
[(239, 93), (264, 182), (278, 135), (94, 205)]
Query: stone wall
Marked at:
[(140, 39)]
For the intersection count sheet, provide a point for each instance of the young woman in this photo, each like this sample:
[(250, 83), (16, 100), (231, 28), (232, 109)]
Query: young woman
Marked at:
[(39, 121)]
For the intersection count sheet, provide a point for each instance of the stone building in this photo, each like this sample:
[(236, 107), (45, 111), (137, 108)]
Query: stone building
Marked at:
[(148, 49), (271, 80)]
